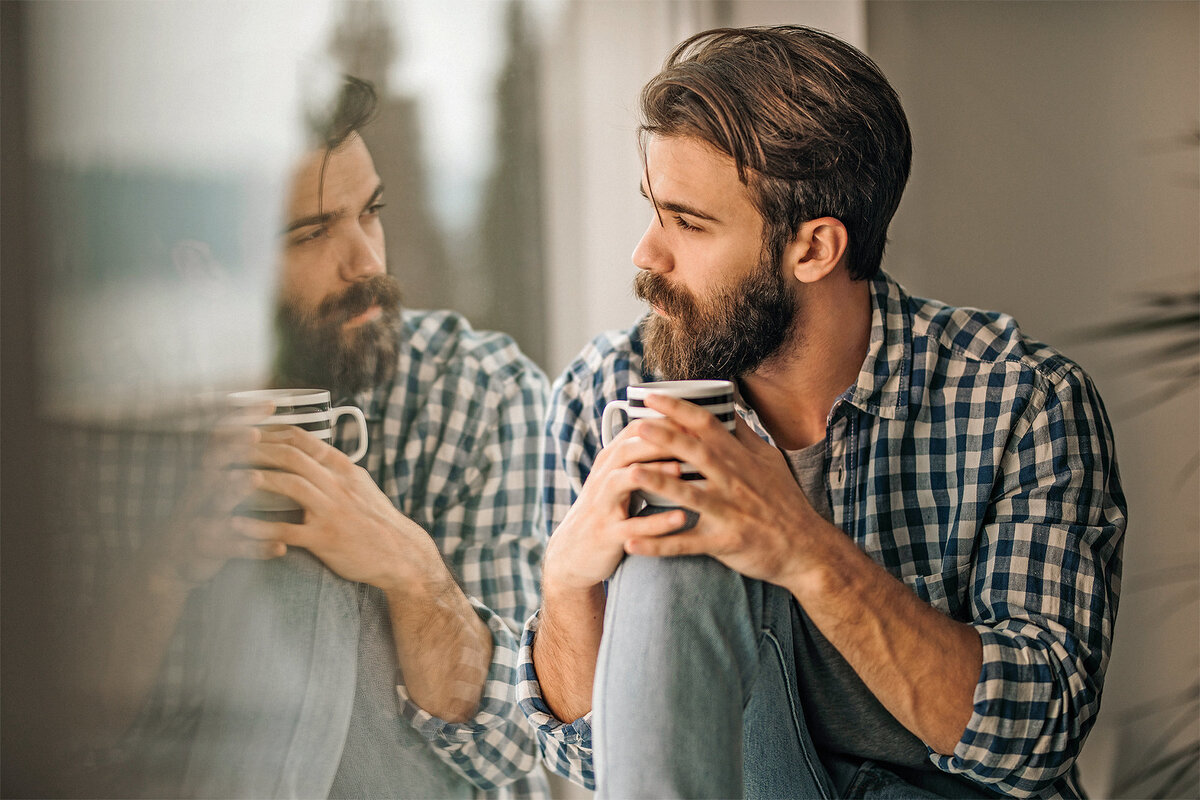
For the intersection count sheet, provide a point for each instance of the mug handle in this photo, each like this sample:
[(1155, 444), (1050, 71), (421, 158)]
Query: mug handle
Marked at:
[(607, 433), (357, 413)]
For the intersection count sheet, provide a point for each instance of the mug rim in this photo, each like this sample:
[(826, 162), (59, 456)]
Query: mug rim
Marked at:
[(693, 388), (294, 397)]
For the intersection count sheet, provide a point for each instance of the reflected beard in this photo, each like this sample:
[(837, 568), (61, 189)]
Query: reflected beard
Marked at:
[(737, 330), (316, 350)]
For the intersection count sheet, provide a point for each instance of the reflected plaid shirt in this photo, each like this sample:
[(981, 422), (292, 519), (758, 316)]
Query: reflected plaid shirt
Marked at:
[(975, 465), (453, 445)]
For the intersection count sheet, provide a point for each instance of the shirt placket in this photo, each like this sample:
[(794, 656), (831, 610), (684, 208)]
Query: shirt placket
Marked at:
[(840, 437)]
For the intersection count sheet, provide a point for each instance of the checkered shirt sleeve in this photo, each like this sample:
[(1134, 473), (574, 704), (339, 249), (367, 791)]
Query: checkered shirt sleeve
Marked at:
[(570, 445), (975, 465), (481, 416), (1044, 590)]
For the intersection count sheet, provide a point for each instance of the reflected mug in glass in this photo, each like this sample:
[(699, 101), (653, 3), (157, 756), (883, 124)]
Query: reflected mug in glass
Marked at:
[(307, 409)]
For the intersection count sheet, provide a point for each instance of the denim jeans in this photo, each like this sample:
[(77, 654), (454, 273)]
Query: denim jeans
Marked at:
[(297, 688), (696, 695), (695, 692)]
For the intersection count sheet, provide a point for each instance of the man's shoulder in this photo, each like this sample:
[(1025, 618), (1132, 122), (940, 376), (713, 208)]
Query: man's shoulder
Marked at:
[(609, 362), (983, 339), (442, 344)]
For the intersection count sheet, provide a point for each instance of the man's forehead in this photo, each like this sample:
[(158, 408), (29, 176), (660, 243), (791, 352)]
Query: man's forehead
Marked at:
[(688, 169), (332, 178)]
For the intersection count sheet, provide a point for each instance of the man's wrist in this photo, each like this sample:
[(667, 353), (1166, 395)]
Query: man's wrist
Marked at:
[(169, 582), (430, 587), (828, 566), (415, 572)]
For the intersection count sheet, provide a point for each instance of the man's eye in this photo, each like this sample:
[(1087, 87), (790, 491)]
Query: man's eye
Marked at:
[(374, 209), (309, 236), (684, 224)]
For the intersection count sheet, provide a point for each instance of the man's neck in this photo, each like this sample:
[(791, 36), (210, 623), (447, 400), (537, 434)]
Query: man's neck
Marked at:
[(794, 392)]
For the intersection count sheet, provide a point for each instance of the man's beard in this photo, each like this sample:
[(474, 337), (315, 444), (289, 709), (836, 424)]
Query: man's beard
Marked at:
[(316, 350), (726, 336)]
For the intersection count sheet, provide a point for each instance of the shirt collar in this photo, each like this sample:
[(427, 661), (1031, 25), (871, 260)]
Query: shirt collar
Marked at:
[(883, 380)]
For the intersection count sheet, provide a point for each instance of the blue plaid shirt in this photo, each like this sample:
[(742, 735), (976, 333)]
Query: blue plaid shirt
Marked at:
[(459, 457), (453, 444), (975, 465)]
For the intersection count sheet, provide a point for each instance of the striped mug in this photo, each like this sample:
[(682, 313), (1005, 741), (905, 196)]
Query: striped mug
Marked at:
[(713, 396), (307, 409)]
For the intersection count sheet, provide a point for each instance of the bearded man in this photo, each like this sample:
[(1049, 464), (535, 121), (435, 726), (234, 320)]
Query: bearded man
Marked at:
[(900, 576), (364, 646)]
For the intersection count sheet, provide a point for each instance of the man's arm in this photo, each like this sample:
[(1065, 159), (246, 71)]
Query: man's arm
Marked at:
[(583, 553), (455, 613), (355, 531)]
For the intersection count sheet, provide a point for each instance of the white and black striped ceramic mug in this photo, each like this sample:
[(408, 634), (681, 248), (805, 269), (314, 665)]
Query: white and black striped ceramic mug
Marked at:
[(307, 409), (716, 397)]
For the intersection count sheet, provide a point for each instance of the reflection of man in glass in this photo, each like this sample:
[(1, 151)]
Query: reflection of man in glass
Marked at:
[(901, 572), (365, 647)]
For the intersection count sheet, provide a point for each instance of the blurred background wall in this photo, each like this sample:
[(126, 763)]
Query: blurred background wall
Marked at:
[(1055, 177)]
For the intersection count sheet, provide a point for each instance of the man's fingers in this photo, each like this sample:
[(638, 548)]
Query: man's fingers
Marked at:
[(229, 446), (235, 486), (289, 484), (671, 486), (226, 546), (654, 525), (619, 483), (319, 450), (681, 544), (280, 533), (689, 415), (629, 447)]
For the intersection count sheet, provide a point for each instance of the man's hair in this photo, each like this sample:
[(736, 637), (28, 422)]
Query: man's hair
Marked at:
[(811, 123), (354, 105)]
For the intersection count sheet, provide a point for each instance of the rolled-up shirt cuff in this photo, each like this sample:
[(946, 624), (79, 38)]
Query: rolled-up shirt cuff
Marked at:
[(496, 705), (529, 695)]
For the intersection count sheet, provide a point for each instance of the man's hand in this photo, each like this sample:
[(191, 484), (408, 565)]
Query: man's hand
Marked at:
[(590, 542), (201, 537), (349, 524), (754, 518), (584, 551), (442, 645), (149, 599)]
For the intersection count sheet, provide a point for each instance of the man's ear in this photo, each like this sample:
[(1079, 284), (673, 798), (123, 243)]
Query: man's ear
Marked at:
[(818, 247)]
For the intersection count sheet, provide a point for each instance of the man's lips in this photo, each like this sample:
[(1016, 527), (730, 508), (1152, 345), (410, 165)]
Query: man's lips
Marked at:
[(370, 314)]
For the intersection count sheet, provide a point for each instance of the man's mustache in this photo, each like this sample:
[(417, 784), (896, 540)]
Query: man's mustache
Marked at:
[(654, 289), (378, 290)]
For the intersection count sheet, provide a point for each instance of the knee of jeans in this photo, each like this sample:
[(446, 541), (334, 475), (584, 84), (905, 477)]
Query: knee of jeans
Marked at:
[(699, 580)]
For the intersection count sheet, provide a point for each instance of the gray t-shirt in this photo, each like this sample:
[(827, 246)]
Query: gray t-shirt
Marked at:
[(843, 717)]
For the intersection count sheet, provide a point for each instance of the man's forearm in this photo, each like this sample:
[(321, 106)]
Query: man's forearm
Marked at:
[(443, 647), (921, 665), (565, 649)]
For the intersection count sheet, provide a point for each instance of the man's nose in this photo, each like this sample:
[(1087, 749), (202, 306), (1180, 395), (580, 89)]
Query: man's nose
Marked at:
[(362, 255), (651, 252)]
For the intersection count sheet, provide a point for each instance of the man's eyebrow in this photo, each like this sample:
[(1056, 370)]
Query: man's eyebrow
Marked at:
[(331, 216), (677, 208), (374, 198), (315, 219)]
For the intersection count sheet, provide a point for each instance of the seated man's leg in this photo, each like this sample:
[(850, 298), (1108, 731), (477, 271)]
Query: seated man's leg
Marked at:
[(270, 707), (695, 687)]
